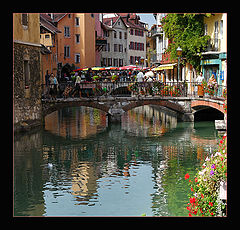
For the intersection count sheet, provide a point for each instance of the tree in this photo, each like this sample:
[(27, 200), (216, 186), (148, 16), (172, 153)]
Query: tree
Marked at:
[(186, 31)]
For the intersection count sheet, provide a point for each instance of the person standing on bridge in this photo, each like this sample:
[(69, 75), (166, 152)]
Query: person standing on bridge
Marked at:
[(198, 86), (77, 85), (140, 79)]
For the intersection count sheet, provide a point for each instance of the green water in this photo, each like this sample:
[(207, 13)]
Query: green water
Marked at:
[(78, 165)]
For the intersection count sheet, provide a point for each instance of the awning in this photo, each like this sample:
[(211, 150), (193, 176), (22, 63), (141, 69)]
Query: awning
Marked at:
[(162, 67)]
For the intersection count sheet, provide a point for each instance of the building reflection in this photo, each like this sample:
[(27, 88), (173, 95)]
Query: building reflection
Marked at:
[(149, 121), (84, 150), (77, 122)]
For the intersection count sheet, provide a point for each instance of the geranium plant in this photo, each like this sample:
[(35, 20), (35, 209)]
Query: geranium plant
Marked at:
[(204, 198)]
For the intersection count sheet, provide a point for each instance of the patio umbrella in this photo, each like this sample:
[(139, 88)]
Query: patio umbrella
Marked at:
[(112, 68), (127, 67), (96, 68)]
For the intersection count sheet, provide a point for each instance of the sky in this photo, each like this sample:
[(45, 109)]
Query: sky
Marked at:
[(148, 18)]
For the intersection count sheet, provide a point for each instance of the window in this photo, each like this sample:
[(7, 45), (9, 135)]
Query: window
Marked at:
[(26, 72), (120, 62), (120, 48), (216, 36), (66, 51), (77, 21), (131, 31), (221, 29), (115, 34), (115, 62), (131, 46), (109, 61), (120, 35), (106, 33), (66, 31), (125, 35), (77, 38), (108, 47), (131, 60), (104, 61), (25, 19), (115, 47), (77, 58), (92, 15), (69, 15)]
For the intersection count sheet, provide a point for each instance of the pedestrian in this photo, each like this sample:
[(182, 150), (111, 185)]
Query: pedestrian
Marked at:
[(47, 82), (88, 77), (55, 82), (51, 85), (198, 86), (77, 85)]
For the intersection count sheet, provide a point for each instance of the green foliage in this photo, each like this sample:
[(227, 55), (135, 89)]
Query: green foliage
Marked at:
[(186, 31)]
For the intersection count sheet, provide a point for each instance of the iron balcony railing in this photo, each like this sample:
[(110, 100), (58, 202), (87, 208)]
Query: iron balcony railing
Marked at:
[(129, 89)]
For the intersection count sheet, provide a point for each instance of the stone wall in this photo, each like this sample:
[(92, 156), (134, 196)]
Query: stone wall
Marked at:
[(27, 99)]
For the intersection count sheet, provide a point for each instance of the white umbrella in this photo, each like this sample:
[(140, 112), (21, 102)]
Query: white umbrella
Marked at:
[(149, 74)]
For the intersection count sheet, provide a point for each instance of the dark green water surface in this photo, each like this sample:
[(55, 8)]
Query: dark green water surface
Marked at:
[(78, 165)]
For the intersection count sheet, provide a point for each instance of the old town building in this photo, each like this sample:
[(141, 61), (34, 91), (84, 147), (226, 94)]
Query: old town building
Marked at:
[(126, 40), (26, 80)]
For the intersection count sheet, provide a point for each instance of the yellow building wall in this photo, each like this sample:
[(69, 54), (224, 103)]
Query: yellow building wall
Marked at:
[(87, 40), (32, 33), (211, 25)]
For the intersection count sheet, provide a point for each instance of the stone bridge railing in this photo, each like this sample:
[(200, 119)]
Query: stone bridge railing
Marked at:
[(115, 98)]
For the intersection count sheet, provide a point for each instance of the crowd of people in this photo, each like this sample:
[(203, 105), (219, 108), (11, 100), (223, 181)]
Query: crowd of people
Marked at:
[(69, 84)]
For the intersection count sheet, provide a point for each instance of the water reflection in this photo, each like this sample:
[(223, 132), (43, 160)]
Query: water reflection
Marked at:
[(149, 121), (79, 166), (77, 122)]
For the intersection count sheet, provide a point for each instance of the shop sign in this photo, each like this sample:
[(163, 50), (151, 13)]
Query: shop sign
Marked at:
[(211, 62)]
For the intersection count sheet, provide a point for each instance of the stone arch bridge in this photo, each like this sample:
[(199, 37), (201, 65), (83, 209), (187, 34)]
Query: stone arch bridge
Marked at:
[(116, 106)]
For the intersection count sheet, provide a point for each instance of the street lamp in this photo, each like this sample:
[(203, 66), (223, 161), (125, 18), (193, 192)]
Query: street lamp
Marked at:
[(179, 53)]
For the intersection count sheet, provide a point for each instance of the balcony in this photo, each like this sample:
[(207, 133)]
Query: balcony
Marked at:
[(100, 43), (157, 32), (214, 45)]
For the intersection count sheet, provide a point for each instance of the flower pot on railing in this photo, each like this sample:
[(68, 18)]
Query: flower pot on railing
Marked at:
[(200, 91)]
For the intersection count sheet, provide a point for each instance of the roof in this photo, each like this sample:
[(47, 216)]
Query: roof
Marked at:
[(48, 25), (129, 21)]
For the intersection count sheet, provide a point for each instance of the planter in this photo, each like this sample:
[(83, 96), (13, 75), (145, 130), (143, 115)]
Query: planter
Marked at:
[(200, 91)]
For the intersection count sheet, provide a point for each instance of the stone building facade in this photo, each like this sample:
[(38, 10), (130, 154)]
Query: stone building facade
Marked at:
[(26, 79)]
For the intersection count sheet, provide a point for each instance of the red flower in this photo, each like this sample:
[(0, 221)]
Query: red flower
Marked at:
[(192, 189), (221, 141), (202, 195), (186, 176), (196, 179), (192, 200), (189, 214), (210, 203)]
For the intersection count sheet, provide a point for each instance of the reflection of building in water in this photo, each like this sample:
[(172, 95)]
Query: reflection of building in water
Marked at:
[(76, 122), (149, 120), (84, 184)]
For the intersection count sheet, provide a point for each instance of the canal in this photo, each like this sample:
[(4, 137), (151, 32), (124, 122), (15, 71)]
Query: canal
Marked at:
[(78, 165)]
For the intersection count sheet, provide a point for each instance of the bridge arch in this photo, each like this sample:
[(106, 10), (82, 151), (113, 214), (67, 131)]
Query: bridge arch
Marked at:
[(165, 103), (203, 104), (49, 107)]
